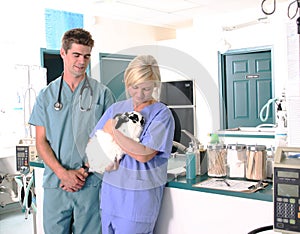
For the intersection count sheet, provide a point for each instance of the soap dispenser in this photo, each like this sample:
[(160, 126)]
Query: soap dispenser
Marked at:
[(190, 162)]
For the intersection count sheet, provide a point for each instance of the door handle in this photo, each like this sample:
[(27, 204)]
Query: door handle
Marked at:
[(252, 76)]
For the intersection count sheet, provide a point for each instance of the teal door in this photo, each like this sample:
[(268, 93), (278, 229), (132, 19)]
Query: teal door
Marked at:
[(248, 87)]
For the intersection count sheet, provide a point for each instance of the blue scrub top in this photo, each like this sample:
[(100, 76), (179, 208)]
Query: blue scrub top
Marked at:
[(68, 130), (135, 190)]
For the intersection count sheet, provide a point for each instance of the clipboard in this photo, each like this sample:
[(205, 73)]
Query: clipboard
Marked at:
[(232, 185)]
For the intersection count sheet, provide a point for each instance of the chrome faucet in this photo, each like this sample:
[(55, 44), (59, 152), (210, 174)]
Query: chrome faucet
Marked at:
[(194, 139), (183, 148), (180, 146)]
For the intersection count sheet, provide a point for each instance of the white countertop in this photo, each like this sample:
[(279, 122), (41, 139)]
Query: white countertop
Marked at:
[(248, 131)]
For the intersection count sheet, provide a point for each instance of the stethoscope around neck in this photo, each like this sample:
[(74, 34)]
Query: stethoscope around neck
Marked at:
[(86, 85)]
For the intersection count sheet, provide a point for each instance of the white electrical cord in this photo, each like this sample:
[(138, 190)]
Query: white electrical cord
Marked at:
[(267, 107)]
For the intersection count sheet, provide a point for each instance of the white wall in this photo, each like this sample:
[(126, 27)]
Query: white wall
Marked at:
[(23, 34), (21, 39), (202, 41), (114, 36)]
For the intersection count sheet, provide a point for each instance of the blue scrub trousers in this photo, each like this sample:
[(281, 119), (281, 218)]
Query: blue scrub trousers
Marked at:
[(77, 213), (116, 225)]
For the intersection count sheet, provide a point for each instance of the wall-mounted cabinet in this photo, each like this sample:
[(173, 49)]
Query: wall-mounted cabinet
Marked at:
[(52, 61), (179, 96)]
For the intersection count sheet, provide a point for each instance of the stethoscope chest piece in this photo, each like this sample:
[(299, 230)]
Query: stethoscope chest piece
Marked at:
[(58, 106)]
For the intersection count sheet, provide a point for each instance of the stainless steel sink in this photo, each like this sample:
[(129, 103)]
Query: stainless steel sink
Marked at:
[(176, 165)]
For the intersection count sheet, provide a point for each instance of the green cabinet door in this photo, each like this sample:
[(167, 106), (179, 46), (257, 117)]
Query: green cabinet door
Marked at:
[(112, 69), (248, 87)]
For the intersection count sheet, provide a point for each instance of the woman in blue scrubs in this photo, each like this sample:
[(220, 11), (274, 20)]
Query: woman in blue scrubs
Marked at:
[(131, 196)]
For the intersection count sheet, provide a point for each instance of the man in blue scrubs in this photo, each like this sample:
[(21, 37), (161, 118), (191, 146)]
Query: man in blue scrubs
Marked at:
[(64, 114)]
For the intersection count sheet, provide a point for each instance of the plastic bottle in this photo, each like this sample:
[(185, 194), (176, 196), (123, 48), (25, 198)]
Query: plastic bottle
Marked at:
[(190, 162), (214, 138)]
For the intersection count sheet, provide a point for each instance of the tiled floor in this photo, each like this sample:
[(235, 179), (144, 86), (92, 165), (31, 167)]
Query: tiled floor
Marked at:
[(14, 222)]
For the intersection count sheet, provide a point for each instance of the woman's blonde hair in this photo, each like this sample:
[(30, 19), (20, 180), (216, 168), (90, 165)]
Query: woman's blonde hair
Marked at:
[(142, 68)]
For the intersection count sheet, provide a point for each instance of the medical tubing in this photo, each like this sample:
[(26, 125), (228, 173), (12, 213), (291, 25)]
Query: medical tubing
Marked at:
[(267, 107), (27, 190), (296, 11), (266, 12), (22, 183), (261, 229)]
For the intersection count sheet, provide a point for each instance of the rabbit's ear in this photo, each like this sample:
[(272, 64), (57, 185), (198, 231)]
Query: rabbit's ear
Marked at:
[(122, 119)]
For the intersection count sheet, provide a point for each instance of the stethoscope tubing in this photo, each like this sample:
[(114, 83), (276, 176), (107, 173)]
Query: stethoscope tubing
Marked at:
[(58, 105), (86, 85)]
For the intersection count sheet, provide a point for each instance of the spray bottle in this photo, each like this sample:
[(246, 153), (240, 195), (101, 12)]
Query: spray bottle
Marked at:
[(190, 162)]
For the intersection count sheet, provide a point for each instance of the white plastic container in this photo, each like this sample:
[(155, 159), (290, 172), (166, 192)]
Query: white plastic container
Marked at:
[(236, 160)]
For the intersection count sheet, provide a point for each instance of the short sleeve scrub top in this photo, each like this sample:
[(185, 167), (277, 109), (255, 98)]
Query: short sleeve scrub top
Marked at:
[(134, 191)]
